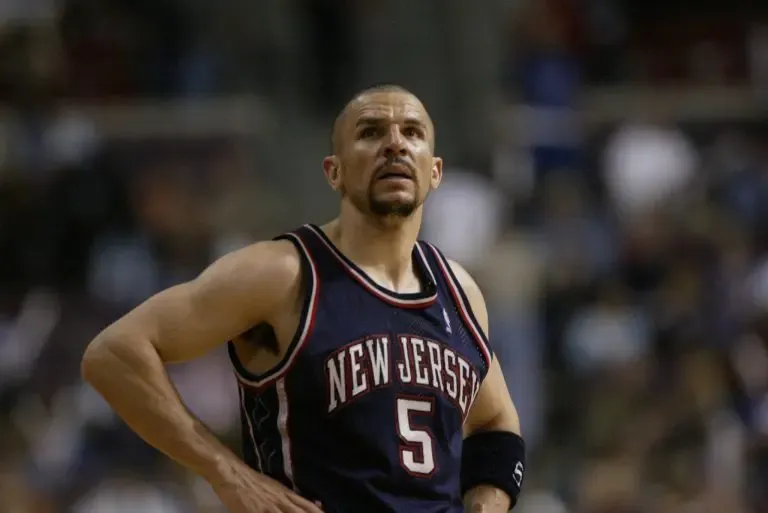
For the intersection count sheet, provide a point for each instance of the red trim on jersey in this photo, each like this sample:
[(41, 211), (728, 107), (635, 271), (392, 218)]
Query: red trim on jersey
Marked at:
[(370, 285), (465, 310), (303, 331)]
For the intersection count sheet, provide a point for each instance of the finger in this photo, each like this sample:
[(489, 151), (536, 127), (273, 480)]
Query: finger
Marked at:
[(304, 504), (288, 507), (306, 507)]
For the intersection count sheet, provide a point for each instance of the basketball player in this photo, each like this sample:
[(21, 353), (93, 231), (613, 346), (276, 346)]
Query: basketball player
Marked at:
[(365, 375)]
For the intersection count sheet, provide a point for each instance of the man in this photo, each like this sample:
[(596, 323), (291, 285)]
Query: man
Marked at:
[(365, 375)]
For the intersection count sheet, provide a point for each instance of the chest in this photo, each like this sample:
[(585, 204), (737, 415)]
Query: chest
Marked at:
[(389, 350)]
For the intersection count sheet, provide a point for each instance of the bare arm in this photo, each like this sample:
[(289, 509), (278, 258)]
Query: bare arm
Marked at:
[(126, 362), (492, 409)]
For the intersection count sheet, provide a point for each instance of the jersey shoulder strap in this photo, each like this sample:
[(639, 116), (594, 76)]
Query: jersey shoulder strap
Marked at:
[(310, 285), (318, 248), (449, 284)]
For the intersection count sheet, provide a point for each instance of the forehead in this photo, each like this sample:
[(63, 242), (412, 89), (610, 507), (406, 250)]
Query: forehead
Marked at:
[(388, 106)]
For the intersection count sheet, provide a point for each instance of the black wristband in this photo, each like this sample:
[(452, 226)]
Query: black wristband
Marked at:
[(494, 458)]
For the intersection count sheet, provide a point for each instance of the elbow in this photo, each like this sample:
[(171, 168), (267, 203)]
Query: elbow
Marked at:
[(502, 419), (95, 358), (115, 353), (507, 421), (107, 355)]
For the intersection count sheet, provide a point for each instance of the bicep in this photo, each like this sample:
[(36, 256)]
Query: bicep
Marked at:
[(184, 322), (235, 293)]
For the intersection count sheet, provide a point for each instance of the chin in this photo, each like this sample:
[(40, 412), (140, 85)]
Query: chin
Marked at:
[(393, 208)]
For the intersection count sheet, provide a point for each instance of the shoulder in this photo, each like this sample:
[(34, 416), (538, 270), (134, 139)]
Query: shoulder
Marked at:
[(472, 291), (268, 259), (268, 271), (465, 279)]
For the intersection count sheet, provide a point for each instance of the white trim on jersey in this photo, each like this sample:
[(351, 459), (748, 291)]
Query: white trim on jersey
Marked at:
[(282, 426), (251, 431), (464, 309), (305, 327), (366, 282), (426, 262)]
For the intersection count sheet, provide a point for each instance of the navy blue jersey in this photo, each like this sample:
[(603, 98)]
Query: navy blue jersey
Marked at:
[(365, 412)]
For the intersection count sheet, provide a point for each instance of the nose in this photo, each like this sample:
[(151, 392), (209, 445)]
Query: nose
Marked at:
[(394, 144)]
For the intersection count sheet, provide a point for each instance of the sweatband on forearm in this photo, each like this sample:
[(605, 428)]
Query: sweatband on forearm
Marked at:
[(493, 458)]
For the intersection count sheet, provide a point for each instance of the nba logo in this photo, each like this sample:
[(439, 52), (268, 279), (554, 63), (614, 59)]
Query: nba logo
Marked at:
[(447, 322)]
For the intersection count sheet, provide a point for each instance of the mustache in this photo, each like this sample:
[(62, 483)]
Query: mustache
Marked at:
[(396, 161)]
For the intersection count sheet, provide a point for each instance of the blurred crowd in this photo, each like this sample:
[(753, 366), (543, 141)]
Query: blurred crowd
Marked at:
[(624, 257)]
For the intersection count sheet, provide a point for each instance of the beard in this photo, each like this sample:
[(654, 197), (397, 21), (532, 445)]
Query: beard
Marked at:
[(369, 202), (383, 208)]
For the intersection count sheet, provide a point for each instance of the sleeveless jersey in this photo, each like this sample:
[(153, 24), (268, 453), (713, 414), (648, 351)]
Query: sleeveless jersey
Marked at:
[(365, 411)]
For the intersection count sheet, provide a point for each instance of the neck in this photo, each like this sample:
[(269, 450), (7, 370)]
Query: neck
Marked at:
[(386, 245)]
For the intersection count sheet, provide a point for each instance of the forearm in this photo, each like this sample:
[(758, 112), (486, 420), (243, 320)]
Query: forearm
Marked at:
[(132, 378), (485, 497)]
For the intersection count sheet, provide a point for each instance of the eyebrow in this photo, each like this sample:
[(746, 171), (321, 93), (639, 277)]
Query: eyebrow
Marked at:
[(375, 120)]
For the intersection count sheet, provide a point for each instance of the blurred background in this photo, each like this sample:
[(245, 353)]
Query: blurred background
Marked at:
[(606, 182)]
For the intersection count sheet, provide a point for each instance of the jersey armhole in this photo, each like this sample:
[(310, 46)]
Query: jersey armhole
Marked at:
[(463, 306), (310, 285)]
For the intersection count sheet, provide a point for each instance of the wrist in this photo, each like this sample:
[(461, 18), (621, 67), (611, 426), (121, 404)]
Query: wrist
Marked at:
[(494, 459), (214, 462), (222, 470), (487, 498)]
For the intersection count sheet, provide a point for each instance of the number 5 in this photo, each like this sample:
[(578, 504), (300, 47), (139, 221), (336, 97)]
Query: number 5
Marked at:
[(417, 450)]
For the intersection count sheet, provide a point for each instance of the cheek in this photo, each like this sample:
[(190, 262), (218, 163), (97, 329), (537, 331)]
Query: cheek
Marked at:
[(356, 180), (360, 167), (425, 170)]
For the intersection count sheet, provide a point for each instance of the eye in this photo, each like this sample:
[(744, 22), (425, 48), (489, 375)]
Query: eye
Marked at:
[(368, 132), (413, 131)]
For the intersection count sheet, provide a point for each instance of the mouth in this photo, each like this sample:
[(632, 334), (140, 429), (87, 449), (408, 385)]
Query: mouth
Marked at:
[(395, 172)]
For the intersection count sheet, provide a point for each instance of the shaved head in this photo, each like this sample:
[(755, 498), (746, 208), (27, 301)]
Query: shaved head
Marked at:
[(382, 160), (338, 124)]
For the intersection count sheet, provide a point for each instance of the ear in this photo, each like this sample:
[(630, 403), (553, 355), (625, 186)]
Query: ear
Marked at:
[(332, 171), (437, 173)]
